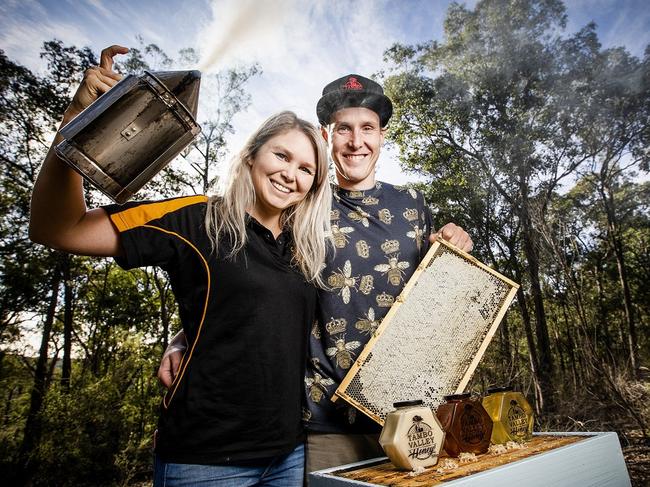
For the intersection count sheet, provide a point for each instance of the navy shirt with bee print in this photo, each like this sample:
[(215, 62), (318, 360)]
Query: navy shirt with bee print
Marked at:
[(381, 235)]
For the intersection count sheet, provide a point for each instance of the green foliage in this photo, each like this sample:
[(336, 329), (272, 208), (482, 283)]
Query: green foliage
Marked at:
[(15, 383), (104, 430)]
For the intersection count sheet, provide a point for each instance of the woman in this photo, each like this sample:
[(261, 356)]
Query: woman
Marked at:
[(243, 268)]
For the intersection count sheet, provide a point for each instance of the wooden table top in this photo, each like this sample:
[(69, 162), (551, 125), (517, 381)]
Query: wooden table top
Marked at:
[(384, 473)]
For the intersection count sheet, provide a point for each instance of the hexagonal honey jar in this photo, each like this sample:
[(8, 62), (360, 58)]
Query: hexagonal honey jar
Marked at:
[(511, 414), (467, 425), (412, 435)]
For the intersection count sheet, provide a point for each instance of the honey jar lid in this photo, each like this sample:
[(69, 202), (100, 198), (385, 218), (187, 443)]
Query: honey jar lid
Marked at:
[(494, 390), (457, 397), (403, 404)]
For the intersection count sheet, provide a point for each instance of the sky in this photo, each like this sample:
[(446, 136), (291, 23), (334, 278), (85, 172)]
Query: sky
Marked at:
[(301, 45)]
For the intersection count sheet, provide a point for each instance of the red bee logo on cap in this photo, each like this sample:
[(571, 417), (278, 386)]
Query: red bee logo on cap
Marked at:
[(352, 84)]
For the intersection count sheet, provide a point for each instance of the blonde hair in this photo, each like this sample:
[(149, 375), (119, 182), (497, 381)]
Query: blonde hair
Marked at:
[(309, 219)]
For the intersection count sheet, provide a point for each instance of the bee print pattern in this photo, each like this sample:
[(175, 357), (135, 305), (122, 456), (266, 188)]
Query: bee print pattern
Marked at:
[(336, 325), (344, 281), (363, 249), (306, 414), (385, 216), (410, 191), (352, 415), (317, 386), (384, 300), (367, 284), (410, 214), (315, 330), (360, 216), (416, 234), (368, 324), (394, 269), (340, 235), (342, 352), (370, 200)]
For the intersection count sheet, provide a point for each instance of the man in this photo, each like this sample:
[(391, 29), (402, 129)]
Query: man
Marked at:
[(381, 232)]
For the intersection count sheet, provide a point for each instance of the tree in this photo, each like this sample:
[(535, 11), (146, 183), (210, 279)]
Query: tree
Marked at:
[(492, 116), (618, 106)]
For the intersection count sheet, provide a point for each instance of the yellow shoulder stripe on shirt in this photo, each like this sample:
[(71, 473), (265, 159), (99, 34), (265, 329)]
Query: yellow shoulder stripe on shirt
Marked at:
[(140, 215)]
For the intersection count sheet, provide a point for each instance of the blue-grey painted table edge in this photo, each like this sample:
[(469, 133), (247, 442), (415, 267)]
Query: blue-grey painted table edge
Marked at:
[(595, 461)]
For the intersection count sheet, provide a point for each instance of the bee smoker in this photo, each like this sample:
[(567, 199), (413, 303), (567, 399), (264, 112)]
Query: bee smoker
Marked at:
[(133, 131)]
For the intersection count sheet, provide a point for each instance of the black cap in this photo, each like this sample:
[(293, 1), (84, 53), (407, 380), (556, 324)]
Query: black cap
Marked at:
[(353, 90)]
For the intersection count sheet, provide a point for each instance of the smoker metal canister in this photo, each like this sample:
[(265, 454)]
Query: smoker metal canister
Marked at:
[(134, 130)]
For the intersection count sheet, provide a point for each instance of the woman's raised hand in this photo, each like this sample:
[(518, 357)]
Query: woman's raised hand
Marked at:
[(97, 80), (59, 218)]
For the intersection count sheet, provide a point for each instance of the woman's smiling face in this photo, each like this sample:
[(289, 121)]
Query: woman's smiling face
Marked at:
[(283, 171)]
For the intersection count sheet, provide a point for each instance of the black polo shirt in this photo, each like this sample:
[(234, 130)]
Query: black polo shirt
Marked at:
[(237, 396)]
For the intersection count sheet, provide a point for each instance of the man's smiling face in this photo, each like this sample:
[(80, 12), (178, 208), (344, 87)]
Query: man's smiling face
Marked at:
[(355, 138)]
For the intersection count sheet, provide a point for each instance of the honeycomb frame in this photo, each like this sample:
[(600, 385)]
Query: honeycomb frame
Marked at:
[(434, 335)]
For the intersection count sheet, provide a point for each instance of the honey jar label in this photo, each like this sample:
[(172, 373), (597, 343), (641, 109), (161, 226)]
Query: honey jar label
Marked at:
[(517, 420), (472, 429), (421, 440)]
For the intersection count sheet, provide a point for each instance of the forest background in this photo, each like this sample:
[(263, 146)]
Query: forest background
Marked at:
[(533, 139)]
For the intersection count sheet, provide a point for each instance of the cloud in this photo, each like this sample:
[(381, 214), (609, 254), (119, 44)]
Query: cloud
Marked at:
[(630, 28), (106, 13), (20, 43), (618, 23)]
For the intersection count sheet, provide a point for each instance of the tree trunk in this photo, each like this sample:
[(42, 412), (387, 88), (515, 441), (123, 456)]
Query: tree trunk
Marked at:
[(545, 360), (66, 368), (570, 346), (532, 349), (7, 408), (616, 242), (602, 311), (559, 345), (506, 352), (33, 425)]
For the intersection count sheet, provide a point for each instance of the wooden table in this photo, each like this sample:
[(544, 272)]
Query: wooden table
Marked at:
[(549, 459)]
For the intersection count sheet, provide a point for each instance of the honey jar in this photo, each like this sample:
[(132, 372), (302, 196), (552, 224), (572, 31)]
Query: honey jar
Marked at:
[(412, 435), (511, 414), (468, 427)]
